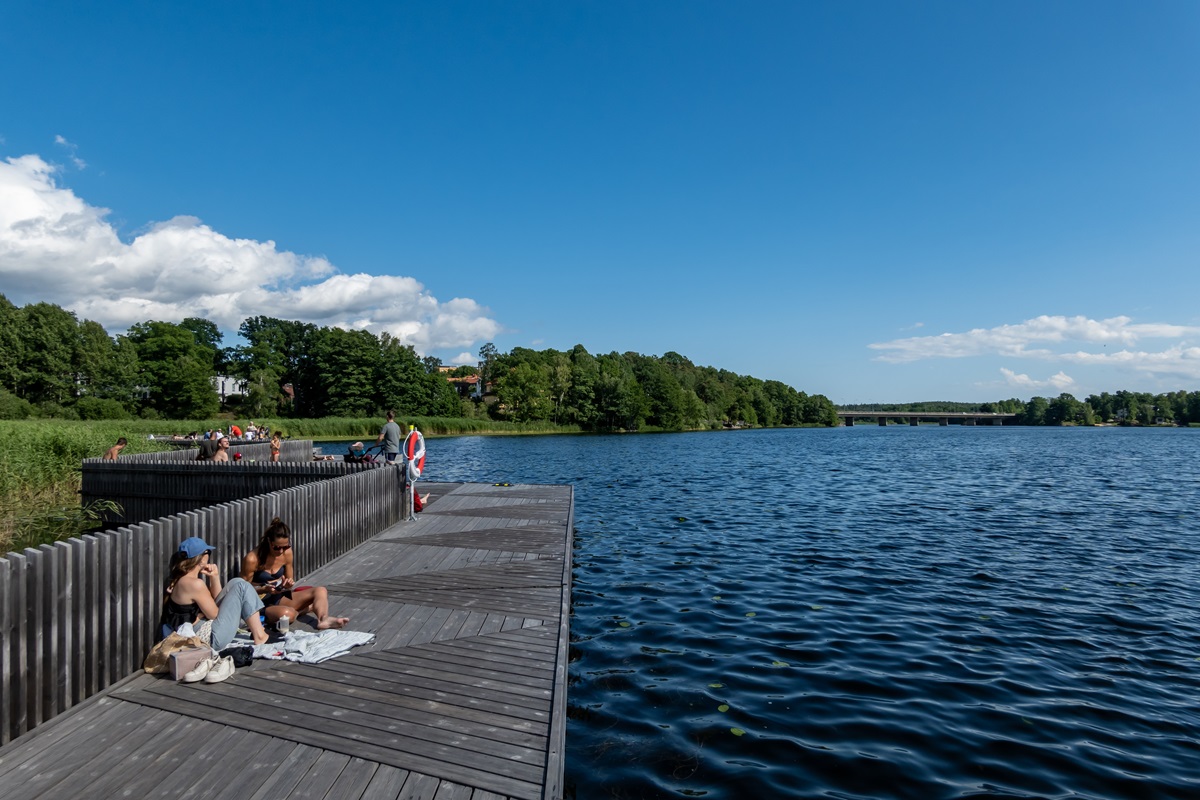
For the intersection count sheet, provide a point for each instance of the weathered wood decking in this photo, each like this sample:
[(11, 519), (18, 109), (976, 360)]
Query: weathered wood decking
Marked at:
[(462, 694)]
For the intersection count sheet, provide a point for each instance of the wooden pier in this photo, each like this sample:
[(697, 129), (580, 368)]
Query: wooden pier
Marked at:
[(461, 696)]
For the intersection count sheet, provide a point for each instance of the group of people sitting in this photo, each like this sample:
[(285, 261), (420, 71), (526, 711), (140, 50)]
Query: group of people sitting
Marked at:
[(217, 448), (261, 596)]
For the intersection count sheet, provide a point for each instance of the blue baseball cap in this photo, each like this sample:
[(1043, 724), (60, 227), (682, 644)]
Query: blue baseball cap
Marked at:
[(194, 546)]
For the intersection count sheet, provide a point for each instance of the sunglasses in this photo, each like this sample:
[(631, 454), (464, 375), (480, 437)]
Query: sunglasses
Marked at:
[(280, 549)]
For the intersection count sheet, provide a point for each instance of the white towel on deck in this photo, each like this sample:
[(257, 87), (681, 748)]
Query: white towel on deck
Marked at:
[(312, 648)]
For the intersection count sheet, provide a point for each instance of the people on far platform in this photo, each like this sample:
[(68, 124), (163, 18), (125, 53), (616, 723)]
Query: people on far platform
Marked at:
[(222, 453), (115, 450)]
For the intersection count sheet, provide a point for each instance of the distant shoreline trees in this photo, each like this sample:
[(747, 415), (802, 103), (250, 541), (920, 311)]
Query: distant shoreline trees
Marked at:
[(54, 366), (1119, 408)]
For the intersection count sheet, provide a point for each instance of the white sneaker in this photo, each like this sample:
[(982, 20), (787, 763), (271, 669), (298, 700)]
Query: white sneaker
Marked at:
[(221, 669), (198, 672)]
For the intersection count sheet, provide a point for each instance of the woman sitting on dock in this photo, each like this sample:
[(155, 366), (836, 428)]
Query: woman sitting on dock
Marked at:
[(191, 598), (269, 568)]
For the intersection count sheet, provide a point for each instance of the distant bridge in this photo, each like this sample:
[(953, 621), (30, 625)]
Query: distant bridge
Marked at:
[(917, 417)]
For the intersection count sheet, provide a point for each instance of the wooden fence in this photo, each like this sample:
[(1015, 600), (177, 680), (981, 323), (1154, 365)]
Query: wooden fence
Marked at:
[(148, 489), (79, 615)]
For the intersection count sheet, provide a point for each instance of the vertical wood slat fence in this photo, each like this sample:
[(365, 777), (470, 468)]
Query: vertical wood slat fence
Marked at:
[(152, 489), (79, 615)]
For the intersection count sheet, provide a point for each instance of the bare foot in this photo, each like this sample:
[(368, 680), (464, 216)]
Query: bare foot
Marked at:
[(332, 622), (425, 498)]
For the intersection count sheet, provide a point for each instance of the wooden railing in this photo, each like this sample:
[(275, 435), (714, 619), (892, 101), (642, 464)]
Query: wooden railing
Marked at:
[(148, 488), (81, 614)]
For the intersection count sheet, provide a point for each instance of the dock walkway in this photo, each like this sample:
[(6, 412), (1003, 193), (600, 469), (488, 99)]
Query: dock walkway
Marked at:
[(461, 696)]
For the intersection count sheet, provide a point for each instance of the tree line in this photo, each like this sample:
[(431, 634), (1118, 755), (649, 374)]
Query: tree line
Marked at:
[(1119, 408), (54, 365), (630, 391)]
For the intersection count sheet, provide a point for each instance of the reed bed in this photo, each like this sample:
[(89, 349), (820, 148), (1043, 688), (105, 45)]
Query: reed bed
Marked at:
[(39, 474)]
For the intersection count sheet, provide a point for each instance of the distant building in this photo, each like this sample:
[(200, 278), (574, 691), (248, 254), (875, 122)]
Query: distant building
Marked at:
[(226, 386), (468, 386)]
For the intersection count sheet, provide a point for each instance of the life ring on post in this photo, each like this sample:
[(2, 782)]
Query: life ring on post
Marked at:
[(414, 454)]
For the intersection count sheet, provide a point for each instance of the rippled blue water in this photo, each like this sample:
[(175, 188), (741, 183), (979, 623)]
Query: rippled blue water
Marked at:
[(867, 613)]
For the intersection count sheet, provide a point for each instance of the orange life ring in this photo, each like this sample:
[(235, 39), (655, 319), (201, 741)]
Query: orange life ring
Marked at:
[(414, 454)]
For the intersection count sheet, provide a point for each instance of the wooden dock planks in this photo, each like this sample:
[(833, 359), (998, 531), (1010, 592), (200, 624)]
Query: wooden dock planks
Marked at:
[(461, 695)]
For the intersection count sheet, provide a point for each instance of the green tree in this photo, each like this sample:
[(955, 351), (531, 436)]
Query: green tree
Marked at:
[(403, 380), (175, 371), (47, 367), (348, 364), (278, 353), (1061, 410), (12, 350), (581, 396), (1034, 412), (524, 391)]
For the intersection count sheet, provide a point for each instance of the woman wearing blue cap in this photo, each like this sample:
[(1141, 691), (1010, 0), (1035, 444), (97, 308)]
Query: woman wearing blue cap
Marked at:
[(190, 597)]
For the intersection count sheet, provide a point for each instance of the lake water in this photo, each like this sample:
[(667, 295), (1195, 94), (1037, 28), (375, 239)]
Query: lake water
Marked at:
[(872, 613)]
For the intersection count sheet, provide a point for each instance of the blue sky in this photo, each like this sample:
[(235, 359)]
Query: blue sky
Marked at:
[(874, 201)]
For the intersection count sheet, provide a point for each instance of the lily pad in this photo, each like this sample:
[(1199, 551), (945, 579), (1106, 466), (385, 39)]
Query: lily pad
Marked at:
[(722, 708), (722, 686), (737, 731), (816, 608), (625, 624), (751, 614), (716, 597), (780, 664)]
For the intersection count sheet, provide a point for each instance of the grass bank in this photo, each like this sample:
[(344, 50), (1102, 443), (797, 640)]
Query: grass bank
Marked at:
[(39, 474)]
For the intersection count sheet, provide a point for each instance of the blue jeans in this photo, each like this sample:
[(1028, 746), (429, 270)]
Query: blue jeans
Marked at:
[(236, 602)]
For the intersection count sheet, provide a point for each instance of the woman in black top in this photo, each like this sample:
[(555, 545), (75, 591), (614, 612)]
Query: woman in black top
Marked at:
[(269, 568), (194, 592)]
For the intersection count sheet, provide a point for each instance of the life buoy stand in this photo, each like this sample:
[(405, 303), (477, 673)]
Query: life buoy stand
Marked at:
[(414, 454)]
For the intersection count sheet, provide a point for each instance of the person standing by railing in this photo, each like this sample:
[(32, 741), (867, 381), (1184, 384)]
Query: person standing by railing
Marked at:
[(389, 437)]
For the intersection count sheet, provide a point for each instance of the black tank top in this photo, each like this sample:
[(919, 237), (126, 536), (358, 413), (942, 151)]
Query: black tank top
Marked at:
[(174, 614)]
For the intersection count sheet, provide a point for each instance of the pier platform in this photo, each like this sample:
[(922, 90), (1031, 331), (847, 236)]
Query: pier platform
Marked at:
[(461, 696)]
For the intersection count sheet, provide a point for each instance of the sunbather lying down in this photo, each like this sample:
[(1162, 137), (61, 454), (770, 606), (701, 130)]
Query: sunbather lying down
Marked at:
[(269, 569)]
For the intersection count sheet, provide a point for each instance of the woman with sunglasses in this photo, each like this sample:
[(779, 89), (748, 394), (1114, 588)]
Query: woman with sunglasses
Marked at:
[(269, 568)]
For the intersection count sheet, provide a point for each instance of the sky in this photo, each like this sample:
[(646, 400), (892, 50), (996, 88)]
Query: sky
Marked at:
[(875, 201)]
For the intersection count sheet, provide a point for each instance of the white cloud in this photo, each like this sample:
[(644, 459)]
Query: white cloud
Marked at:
[(464, 359), (1014, 340), (55, 247), (1061, 380), (72, 152), (1041, 338)]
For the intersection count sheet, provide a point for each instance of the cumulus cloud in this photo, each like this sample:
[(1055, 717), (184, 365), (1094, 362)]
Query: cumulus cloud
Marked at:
[(1061, 380), (1047, 338), (1015, 340), (56, 247), (464, 359)]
